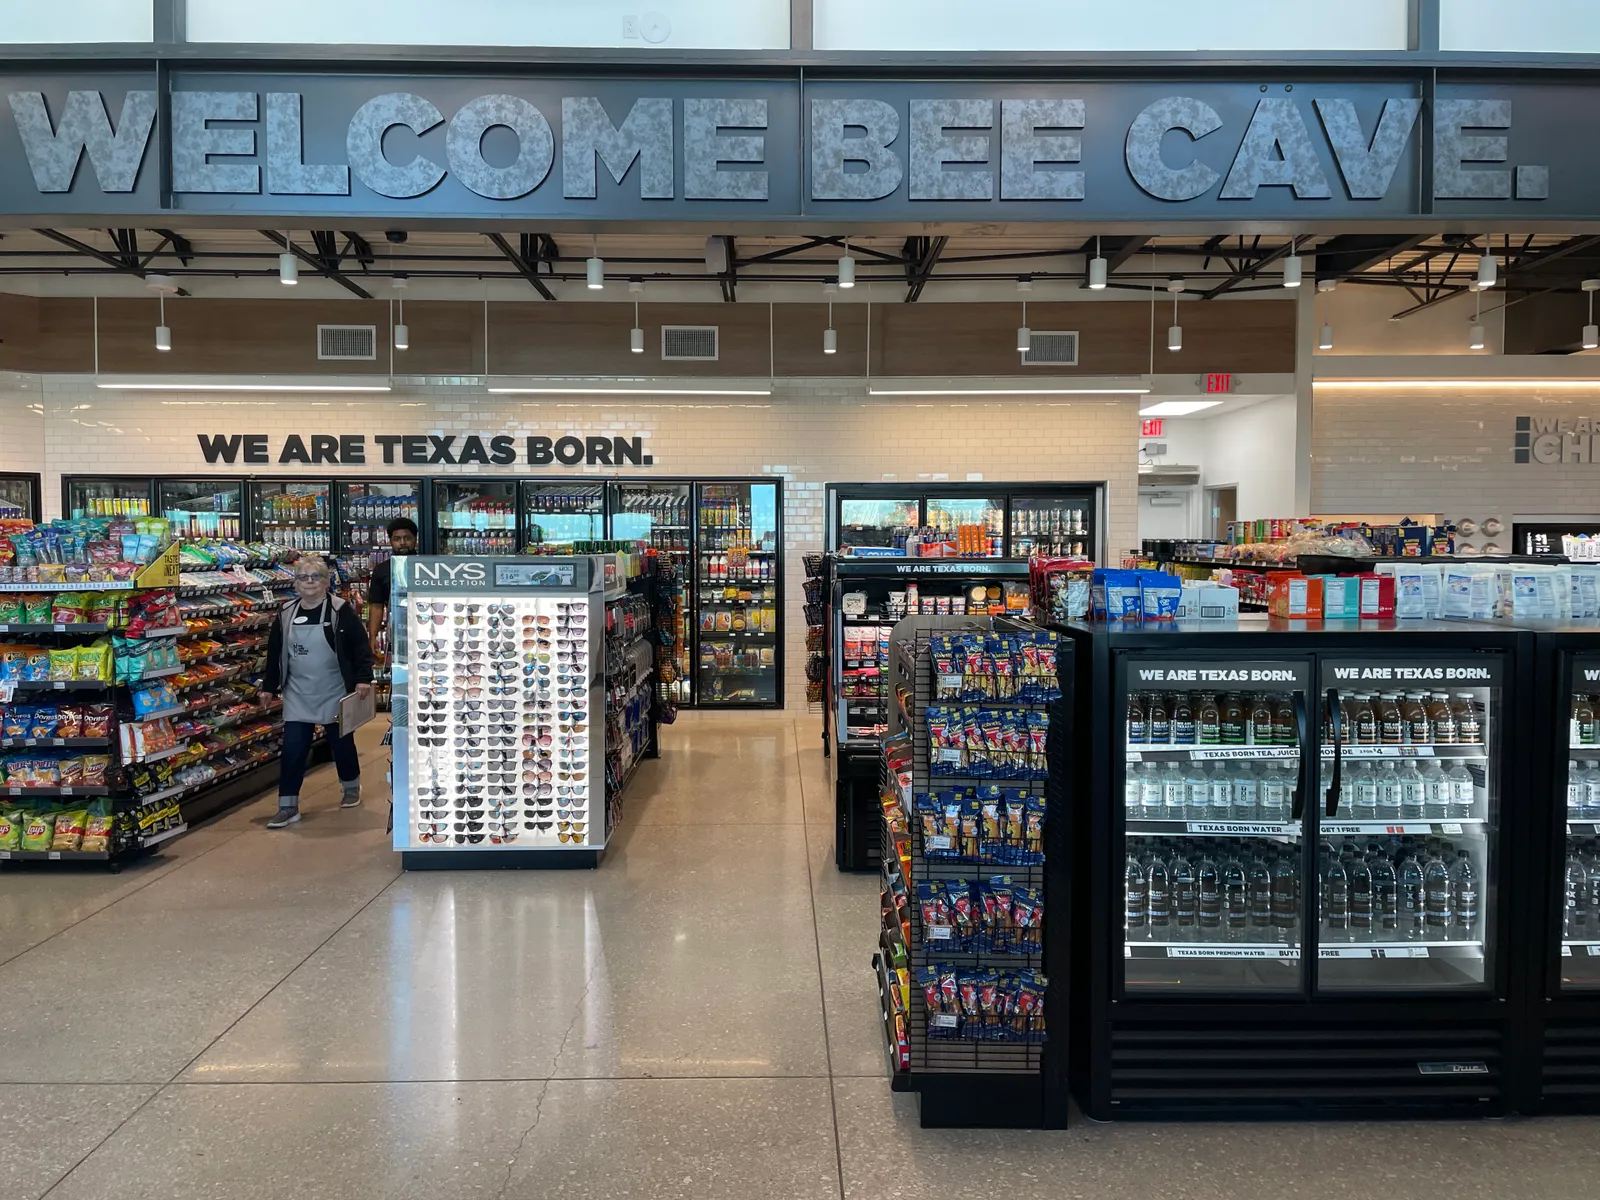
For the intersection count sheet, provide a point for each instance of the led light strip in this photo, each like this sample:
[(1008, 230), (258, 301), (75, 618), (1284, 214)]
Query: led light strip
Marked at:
[(1375, 384)]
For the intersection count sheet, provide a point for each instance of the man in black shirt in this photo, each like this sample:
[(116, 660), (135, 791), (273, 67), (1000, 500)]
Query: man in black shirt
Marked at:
[(402, 540)]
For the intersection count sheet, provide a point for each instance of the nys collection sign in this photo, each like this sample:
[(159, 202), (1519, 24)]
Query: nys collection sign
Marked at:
[(262, 144)]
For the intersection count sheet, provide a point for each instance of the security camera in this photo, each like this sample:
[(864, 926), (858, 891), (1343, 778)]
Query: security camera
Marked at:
[(395, 237)]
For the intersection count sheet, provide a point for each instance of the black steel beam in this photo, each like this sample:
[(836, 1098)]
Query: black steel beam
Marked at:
[(529, 270), (358, 247), (1351, 254), (925, 251), (111, 260), (730, 275), (316, 262), (1128, 248), (1245, 274)]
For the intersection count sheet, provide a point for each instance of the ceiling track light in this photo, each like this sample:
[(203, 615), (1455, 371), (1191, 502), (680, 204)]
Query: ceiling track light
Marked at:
[(288, 264), (1025, 283), (161, 285), (1325, 341), (1487, 273), (1175, 331), (1475, 338), (636, 334), (1293, 266), (402, 331), (1097, 270), (830, 335), (847, 267), (595, 268), (1024, 334)]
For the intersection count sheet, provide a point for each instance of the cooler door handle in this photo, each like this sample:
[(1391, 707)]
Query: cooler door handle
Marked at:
[(1336, 715), (1301, 785)]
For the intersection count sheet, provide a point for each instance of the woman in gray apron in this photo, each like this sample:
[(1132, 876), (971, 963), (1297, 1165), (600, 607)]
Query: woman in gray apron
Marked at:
[(317, 655)]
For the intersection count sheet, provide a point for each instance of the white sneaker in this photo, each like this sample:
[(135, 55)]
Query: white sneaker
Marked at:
[(285, 818)]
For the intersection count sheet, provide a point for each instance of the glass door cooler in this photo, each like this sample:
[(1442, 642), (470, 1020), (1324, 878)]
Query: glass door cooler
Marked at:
[(661, 515), (367, 506), (1297, 868), (292, 513), (739, 647), (107, 496), (1051, 523), (20, 498), (556, 514), (477, 517), (202, 508)]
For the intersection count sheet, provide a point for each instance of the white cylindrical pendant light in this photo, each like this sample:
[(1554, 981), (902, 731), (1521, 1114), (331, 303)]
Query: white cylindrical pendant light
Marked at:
[(1097, 270), (636, 334), (1293, 268), (402, 331), (288, 265), (1591, 337), (1475, 339), (163, 334), (830, 336), (1024, 334), (1325, 342), (595, 273), (1175, 337), (847, 267), (1175, 330), (1486, 270)]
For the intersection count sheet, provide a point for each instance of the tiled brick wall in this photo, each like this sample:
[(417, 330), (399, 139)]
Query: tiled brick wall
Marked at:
[(809, 433), (1447, 451), (21, 424)]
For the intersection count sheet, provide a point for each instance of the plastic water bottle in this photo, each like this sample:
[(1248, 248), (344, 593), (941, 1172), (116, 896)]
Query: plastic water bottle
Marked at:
[(1438, 897), (1591, 791), (1413, 792), (1235, 898), (1274, 796), (1285, 899), (1136, 915), (1575, 916), (1209, 881), (1130, 796), (1384, 897), (1463, 792), (1577, 791), (1150, 807), (1466, 897), (1435, 793), (1198, 787), (1412, 905), (1174, 793), (1361, 898), (1158, 898), (1388, 792), (1219, 793), (1361, 785), (1246, 794), (1185, 901)]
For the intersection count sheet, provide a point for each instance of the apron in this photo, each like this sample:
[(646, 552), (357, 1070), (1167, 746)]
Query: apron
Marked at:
[(315, 685)]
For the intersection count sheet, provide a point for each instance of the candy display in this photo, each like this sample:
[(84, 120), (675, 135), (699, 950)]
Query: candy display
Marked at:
[(983, 1005), (982, 825)]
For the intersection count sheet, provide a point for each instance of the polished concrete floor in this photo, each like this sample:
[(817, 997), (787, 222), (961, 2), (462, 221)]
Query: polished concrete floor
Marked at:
[(271, 1014)]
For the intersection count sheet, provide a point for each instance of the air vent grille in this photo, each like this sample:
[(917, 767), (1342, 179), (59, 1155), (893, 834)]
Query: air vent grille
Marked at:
[(1051, 350), (689, 343), (347, 342)]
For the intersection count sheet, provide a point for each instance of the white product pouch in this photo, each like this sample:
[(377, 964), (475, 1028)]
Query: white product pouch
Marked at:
[(1469, 592), (1409, 600)]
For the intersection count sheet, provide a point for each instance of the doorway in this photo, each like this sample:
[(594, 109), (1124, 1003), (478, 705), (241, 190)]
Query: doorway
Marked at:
[(1222, 506)]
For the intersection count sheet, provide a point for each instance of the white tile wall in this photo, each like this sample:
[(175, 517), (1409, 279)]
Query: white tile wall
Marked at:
[(808, 433), (21, 424)]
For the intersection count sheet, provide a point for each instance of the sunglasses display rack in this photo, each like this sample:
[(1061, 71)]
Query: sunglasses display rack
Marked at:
[(499, 733)]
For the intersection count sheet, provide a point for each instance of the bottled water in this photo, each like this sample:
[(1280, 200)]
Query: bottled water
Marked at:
[(1388, 778), (1180, 876), (1462, 792), (1577, 792), (1361, 785), (1384, 896), (1259, 882), (1413, 792), (1150, 806), (1591, 792), (1466, 896), (1219, 792), (1209, 881), (1174, 793), (1198, 786), (1246, 794), (1285, 898), (1336, 899), (1137, 896), (1411, 900), (1158, 899), (1130, 796), (1438, 896), (1274, 796), (1435, 792), (1361, 898), (1575, 917), (1235, 898)]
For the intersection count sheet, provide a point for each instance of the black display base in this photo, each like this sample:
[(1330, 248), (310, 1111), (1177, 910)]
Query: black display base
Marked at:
[(859, 813), (500, 860), (208, 802), (983, 1102)]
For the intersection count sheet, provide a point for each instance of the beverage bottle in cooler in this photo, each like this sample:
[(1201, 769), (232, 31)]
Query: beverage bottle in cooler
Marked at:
[(1174, 793), (1577, 792), (1233, 720), (1335, 898), (1387, 777), (1157, 720), (1136, 732), (1208, 721), (1183, 731), (1246, 793), (1208, 880), (1469, 726), (1575, 914), (1462, 791), (1413, 791), (1285, 728), (1131, 796), (1438, 894), (1419, 729), (1285, 897), (1435, 792), (1411, 900), (1258, 881), (1274, 795), (1150, 798), (1362, 900), (1180, 877), (1465, 881), (1591, 864), (1347, 720), (1219, 794), (1137, 891), (1158, 898), (1582, 732), (1235, 898), (1391, 725), (1366, 721), (1591, 791), (1198, 786), (1260, 727), (1384, 894), (1361, 785), (1443, 718)]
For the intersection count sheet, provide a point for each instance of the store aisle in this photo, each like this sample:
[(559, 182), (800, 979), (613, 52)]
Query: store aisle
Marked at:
[(262, 1014)]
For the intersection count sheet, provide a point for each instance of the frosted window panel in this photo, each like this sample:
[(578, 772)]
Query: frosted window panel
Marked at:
[(1525, 27), (623, 24), (76, 21), (1148, 25)]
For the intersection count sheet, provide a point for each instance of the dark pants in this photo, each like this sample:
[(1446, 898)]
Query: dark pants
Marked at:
[(297, 752)]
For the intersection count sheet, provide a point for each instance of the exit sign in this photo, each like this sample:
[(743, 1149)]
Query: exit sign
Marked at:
[(1219, 383), (1152, 426)]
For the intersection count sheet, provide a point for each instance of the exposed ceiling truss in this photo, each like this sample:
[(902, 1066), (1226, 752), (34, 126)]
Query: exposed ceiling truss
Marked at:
[(1428, 268)]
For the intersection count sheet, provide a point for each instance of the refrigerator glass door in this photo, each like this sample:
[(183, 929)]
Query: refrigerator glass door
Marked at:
[(293, 514), (660, 514), (1406, 860), (880, 524), (560, 513), (16, 499), (737, 566), (1212, 876), (202, 508), (476, 518), (365, 510), (975, 528), (1580, 802), (1055, 525), (108, 498)]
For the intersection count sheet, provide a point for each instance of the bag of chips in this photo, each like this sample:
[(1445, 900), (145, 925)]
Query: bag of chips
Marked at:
[(97, 720), (11, 830), (96, 769), (94, 662), (69, 830), (38, 831), (36, 609), (69, 608), (69, 721), (12, 609), (16, 721), (97, 833)]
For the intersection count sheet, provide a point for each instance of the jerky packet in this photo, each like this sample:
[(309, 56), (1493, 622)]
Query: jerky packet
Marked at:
[(977, 748), (963, 913), (947, 669), (1033, 831), (992, 807), (1027, 911), (1014, 829), (938, 929)]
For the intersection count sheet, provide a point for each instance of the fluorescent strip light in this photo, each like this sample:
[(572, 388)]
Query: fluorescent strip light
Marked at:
[(1177, 408), (1040, 391), (1373, 384), (644, 393), (237, 383)]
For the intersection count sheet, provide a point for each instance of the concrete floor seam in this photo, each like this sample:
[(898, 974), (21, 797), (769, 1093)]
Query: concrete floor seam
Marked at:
[(65, 1175)]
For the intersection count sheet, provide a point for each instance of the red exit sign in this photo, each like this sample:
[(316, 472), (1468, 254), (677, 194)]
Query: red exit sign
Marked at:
[(1152, 426), (1219, 383)]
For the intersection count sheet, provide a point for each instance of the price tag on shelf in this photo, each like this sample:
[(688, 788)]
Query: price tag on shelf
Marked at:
[(1566, 952), (937, 933), (1450, 827), (950, 682), (54, 854), (940, 842), (950, 754), (941, 1020)]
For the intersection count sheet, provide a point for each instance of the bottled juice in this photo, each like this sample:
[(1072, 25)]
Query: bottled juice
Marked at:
[(1391, 725), (1444, 721), (1469, 728)]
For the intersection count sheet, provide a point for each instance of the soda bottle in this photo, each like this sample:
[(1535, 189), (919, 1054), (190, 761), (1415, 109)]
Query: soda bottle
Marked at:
[(1384, 898), (1158, 722), (1209, 882), (1413, 792), (1274, 796), (1466, 896), (1285, 898), (1183, 731), (1435, 792), (1575, 915), (1469, 726), (1246, 794), (1361, 785), (1336, 899), (1235, 898), (1219, 794), (1150, 799), (1462, 792), (1174, 794), (1158, 898), (1208, 721), (1388, 781), (1361, 897), (1437, 897), (1261, 720), (1136, 731), (1136, 916), (1410, 896), (1185, 913)]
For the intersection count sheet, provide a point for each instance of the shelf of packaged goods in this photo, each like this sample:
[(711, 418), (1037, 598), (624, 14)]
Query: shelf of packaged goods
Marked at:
[(159, 673), (1584, 828), (1195, 949), (243, 668), (164, 631), (252, 714), (857, 664), (898, 1050), (1244, 829), (169, 752), (1234, 564), (21, 743), (1162, 754), (99, 790), (712, 635), (1574, 748), (1436, 750), (56, 855), (176, 710), (183, 789), (62, 685), (120, 586), (1581, 948), (84, 628), (712, 671)]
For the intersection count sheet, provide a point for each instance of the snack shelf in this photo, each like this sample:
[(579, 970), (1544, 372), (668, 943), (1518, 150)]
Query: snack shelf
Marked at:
[(176, 710), (57, 855), (181, 790), (82, 627), (26, 743), (120, 586), (231, 673), (101, 790), (165, 631), (157, 756), (63, 685), (253, 714), (163, 673)]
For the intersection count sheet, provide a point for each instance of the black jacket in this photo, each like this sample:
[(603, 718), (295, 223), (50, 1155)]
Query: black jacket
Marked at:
[(345, 635)]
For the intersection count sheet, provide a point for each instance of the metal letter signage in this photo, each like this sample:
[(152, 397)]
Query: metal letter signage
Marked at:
[(425, 148)]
